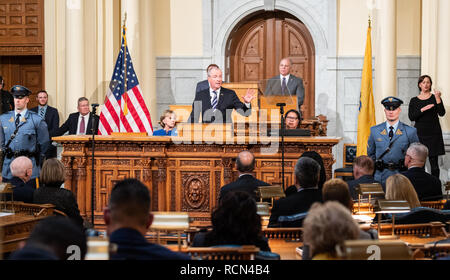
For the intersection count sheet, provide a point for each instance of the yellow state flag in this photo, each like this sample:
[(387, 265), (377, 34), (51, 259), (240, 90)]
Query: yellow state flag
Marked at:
[(366, 117)]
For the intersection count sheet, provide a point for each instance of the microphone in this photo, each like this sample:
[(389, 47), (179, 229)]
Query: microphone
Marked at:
[(281, 104), (95, 105)]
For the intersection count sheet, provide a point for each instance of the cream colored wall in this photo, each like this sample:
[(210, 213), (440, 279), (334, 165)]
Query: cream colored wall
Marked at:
[(186, 27), (162, 27), (352, 27)]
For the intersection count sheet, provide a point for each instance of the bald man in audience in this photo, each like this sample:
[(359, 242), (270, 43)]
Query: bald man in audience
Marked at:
[(428, 187), (245, 164), (21, 170), (363, 169)]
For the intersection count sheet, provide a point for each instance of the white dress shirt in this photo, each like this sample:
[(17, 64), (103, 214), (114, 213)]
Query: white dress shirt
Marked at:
[(86, 120)]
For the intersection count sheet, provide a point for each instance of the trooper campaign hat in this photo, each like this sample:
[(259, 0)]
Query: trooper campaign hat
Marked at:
[(391, 103), (20, 91)]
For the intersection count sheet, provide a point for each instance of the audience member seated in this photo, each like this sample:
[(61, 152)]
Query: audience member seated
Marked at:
[(245, 164), (363, 168), (337, 190), (427, 186), (323, 176), (292, 119), (326, 226), (50, 240), (52, 177), (307, 172), (21, 170), (167, 121), (127, 220), (398, 187), (234, 222)]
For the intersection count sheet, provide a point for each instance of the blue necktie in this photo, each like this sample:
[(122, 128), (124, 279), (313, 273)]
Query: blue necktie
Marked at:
[(17, 119), (391, 132), (214, 101), (41, 112)]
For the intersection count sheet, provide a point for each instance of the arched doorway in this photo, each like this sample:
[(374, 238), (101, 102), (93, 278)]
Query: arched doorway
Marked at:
[(258, 43)]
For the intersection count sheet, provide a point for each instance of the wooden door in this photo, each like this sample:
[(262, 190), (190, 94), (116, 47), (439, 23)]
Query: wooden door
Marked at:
[(23, 70), (257, 45)]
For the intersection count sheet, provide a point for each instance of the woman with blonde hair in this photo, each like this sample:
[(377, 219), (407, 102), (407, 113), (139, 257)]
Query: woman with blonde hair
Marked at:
[(52, 177), (167, 121), (398, 187)]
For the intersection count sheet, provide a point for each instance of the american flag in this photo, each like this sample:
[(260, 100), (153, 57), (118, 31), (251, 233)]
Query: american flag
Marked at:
[(124, 109)]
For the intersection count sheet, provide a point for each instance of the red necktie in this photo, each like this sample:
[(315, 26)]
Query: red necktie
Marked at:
[(82, 126)]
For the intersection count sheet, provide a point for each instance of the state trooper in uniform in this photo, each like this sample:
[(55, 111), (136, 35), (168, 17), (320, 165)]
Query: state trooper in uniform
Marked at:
[(22, 133), (389, 141)]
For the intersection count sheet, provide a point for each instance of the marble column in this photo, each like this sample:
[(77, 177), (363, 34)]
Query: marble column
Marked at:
[(386, 54), (75, 60), (435, 48)]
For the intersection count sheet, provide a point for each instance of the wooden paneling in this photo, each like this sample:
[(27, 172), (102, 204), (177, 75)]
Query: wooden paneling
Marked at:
[(180, 177), (260, 42), (21, 24), (23, 70)]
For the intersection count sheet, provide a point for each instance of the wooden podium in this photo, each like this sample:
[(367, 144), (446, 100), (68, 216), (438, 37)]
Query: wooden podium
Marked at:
[(181, 174)]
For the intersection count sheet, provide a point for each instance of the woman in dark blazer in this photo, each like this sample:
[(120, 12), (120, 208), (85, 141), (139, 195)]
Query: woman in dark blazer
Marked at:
[(51, 178), (425, 110)]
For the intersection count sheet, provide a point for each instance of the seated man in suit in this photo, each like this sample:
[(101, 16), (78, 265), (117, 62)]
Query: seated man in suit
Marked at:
[(307, 173), (79, 123), (216, 103), (286, 83), (51, 117), (127, 220), (363, 168), (428, 187), (245, 164), (204, 85), (21, 170)]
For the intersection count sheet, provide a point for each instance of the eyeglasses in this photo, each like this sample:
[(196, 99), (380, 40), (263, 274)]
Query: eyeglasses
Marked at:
[(292, 118)]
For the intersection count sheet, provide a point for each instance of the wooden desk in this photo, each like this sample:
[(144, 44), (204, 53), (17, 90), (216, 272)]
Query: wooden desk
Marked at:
[(181, 175), (285, 248), (17, 227)]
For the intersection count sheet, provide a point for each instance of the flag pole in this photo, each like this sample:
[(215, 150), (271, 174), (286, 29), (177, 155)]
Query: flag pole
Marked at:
[(125, 47)]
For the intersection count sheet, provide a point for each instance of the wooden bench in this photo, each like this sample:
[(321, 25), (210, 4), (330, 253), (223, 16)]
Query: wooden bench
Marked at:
[(433, 229), (431, 251), (438, 204), (246, 252), (283, 233)]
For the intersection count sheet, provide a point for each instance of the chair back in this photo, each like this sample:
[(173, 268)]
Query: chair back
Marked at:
[(373, 250), (349, 155), (246, 252)]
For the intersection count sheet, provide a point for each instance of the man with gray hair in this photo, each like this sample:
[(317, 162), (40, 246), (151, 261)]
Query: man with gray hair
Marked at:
[(427, 186), (307, 173), (21, 170)]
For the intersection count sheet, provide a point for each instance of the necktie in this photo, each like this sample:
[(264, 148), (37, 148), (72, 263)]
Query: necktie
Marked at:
[(17, 119), (283, 86), (82, 125), (41, 112), (391, 132), (214, 101)]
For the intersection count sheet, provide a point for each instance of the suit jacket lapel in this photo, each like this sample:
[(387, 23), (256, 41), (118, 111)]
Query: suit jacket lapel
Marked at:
[(384, 133), (221, 98), (399, 132)]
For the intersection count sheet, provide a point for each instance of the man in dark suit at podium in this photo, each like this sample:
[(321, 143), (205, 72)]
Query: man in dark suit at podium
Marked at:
[(50, 116), (216, 103), (286, 84), (204, 85), (245, 164), (79, 123)]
